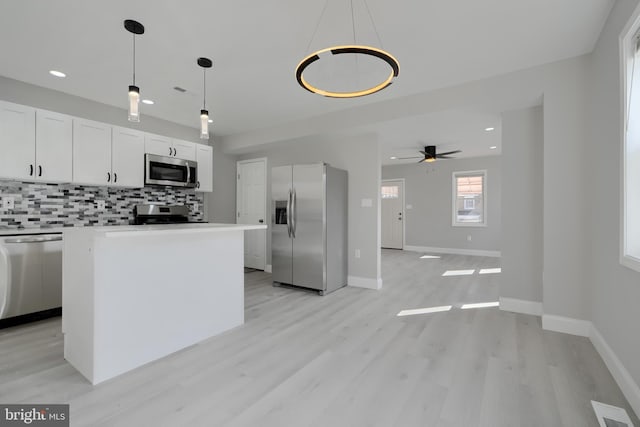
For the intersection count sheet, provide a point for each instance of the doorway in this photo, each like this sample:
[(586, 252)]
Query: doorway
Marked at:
[(392, 200), (251, 207)]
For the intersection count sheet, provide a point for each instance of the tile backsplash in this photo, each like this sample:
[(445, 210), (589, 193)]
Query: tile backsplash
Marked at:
[(39, 205)]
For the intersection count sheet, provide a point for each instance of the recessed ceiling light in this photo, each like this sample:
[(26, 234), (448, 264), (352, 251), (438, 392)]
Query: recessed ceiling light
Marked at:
[(147, 101), (57, 73), (393, 158), (489, 129), (210, 121), (493, 147)]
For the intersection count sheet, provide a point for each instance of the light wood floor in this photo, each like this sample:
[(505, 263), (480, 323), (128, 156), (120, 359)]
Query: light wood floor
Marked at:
[(345, 359)]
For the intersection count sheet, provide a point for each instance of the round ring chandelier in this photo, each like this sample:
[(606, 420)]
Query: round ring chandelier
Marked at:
[(353, 49)]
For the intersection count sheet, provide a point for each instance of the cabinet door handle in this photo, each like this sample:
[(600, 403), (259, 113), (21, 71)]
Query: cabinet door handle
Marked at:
[(115, 177), (169, 150), (108, 176), (39, 170), (30, 170), (198, 185)]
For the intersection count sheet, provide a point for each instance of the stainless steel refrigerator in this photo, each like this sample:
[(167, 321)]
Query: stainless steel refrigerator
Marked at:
[(309, 226)]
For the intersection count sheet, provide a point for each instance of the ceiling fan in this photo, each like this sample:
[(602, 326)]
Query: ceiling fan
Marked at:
[(430, 154)]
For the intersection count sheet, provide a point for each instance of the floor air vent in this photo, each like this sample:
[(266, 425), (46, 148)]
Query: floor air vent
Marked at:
[(611, 416)]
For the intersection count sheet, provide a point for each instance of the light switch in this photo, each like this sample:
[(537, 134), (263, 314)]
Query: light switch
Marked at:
[(367, 203)]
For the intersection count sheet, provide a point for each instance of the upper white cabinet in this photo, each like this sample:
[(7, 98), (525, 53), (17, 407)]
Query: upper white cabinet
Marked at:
[(158, 145), (204, 157), (54, 147), (91, 152), (17, 141), (36, 145), (163, 146), (184, 149), (127, 158)]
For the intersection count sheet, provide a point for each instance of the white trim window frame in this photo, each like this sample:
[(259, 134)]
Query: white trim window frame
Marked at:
[(630, 143), (469, 222)]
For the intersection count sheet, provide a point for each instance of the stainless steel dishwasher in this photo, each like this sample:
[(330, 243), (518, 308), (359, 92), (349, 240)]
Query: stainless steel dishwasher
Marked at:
[(30, 273)]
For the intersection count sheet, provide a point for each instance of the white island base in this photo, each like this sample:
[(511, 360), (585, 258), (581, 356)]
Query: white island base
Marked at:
[(134, 294)]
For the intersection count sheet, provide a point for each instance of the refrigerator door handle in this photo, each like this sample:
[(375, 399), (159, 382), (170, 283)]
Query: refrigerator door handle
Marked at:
[(293, 214), (289, 215)]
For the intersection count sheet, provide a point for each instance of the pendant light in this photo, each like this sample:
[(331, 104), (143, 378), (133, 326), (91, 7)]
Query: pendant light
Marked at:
[(135, 28), (204, 114), (353, 48)]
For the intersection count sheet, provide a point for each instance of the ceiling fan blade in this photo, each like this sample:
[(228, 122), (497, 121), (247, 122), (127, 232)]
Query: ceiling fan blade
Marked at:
[(407, 158), (423, 153), (445, 157), (449, 152)]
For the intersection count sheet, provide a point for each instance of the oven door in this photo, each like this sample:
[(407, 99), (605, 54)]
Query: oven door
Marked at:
[(160, 170)]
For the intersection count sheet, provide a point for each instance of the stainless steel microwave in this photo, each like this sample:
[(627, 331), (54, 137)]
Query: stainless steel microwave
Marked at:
[(161, 170)]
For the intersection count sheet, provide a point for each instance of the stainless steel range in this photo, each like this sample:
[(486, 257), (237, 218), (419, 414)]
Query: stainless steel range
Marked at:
[(161, 214)]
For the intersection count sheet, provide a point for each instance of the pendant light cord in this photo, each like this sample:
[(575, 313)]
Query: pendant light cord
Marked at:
[(204, 84), (134, 59), (324, 9), (373, 23), (353, 24)]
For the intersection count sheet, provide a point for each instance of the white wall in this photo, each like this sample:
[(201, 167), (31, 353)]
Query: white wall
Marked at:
[(616, 289), (428, 188), (360, 157), (522, 199)]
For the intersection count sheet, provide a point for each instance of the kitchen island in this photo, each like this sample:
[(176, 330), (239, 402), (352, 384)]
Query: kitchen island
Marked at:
[(134, 294)]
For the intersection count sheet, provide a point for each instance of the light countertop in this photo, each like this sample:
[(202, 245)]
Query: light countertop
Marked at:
[(130, 230)]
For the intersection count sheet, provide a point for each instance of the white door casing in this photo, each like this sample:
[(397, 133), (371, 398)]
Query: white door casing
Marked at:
[(392, 200), (251, 201)]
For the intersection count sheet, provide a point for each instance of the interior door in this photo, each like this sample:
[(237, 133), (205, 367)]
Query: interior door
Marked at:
[(251, 199), (392, 196), (281, 242), (308, 226)]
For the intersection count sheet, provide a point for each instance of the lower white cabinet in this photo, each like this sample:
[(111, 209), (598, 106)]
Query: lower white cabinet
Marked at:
[(91, 152), (204, 157), (127, 158)]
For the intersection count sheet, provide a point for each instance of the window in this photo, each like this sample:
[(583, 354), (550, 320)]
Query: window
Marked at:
[(389, 191), (630, 229), (469, 199)]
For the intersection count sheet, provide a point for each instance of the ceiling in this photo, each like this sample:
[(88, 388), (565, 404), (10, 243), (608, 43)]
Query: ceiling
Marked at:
[(255, 47)]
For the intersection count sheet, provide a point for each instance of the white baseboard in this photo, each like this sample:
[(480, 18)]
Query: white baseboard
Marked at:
[(566, 325), (533, 308), (453, 251), (267, 268), (364, 282), (624, 379)]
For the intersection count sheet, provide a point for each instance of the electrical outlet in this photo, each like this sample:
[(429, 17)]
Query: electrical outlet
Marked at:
[(101, 205), (468, 237), (357, 253), (8, 203)]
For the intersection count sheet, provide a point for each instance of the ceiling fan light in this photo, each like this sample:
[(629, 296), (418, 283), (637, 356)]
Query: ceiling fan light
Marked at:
[(134, 103), (430, 160)]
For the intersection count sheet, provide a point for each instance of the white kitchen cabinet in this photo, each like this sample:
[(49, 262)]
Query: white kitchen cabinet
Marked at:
[(17, 141), (54, 147), (91, 153), (184, 149), (127, 158), (158, 145), (204, 157), (163, 146)]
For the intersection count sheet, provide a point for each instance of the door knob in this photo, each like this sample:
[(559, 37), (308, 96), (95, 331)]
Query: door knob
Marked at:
[(260, 221)]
